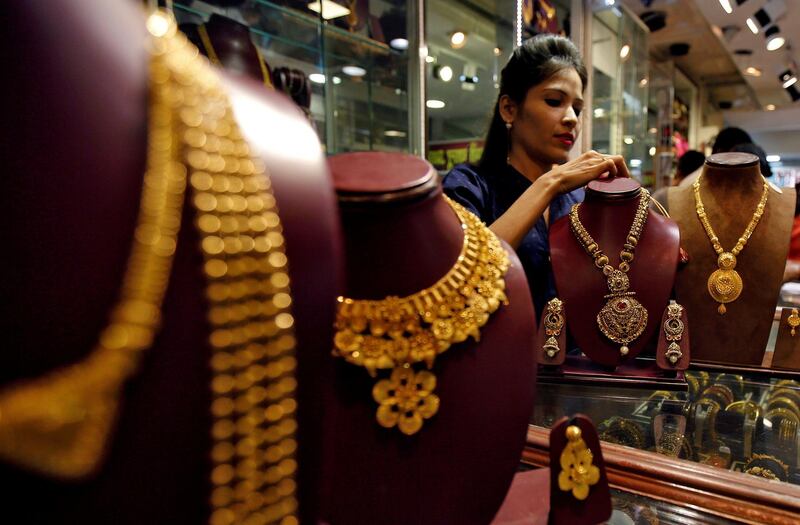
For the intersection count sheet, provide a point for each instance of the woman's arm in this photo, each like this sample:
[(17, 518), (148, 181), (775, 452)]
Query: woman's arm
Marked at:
[(526, 210)]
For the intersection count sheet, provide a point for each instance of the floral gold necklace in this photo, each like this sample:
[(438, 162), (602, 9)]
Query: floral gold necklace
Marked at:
[(622, 319), (397, 332), (725, 284)]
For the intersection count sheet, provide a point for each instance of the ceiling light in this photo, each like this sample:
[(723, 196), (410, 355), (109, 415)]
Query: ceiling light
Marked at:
[(790, 82), (752, 71), (435, 104), (652, 151), (497, 51), (628, 140), (337, 80), (652, 131), (770, 107), (317, 78), (774, 39), (752, 25), (354, 71), (726, 5), (625, 51), (635, 163), (430, 60), (401, 44), (643, 82), (394, 133), (773, 158), (443, 73), (599, 112), (458, 39), (329, 9)]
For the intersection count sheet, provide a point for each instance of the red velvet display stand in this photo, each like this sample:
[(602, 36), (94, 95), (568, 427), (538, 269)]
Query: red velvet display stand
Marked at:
[(535, 497), (401, 237), (74, 174), (607, 213)]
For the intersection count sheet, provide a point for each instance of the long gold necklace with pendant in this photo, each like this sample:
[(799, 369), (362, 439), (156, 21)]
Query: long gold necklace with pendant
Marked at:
[(725, 284), (622, 319)]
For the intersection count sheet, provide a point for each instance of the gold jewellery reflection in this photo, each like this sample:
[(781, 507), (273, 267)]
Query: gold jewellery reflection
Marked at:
[(578, 472), (794, 321), (553, 324), (673, 330)]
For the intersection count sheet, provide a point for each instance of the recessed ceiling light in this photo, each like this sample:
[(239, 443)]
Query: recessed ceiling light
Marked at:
[(652, 151), (752, 71), (752, 25), (770, 107), (628, 140), (790, 82), (400, 44), (726, 5), (435, 104), (337, 80), (625, 51), (429, 59), (394, 133), (443, 73), (329, 9), (458, 39), (354, 71), (773, 158), (635, 163), (497, 51), (643, 82), (317, 78), (599, 112)]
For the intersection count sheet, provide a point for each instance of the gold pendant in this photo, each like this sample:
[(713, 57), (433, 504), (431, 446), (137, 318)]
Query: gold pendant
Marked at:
[(578, 471), (725, 284), (794, 321), (622, 319)]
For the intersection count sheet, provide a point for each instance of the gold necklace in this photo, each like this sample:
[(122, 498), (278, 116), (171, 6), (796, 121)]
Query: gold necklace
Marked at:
[(214, 58), (397, 332), (60, 423), (725, 284), (622, 319)]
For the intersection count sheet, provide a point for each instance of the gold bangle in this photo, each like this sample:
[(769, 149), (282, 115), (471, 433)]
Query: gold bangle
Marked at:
[(789, 393), (732, 379), (784, 402), (744, 407), (790, 383), (694, 386), (781, 412), (766, 466)]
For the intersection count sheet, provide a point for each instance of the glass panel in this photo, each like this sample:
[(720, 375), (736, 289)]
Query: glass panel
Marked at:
[(732, 421), (463, 77), (359, 82)]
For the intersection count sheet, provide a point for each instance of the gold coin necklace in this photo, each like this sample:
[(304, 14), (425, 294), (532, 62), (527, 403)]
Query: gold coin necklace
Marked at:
[(725, 284), (622, 319)]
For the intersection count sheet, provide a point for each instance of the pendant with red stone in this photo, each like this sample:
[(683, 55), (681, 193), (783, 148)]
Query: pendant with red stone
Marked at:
[(622, 319)]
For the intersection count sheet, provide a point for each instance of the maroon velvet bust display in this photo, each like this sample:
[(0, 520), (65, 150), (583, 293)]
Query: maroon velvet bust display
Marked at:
[(76, 169), (401, 236), (607, 214)]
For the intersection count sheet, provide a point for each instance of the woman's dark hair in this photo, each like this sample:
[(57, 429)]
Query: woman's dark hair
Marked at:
[(758, 152), (536, 60), (728, 138)]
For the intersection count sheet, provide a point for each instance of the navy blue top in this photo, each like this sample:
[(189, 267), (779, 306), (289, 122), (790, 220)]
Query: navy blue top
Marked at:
[(489, 196)]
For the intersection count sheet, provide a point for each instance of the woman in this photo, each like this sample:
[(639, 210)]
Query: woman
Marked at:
[(523, 180)]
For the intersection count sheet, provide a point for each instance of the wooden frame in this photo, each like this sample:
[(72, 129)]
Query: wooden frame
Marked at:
[(732, 495)]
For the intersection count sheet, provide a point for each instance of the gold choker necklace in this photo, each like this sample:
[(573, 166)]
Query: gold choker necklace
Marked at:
[(622, 319), (725, 284), (397, 332)]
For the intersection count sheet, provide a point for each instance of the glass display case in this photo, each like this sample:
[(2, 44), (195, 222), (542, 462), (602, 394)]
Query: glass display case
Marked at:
[(620, 86), (353, 53)]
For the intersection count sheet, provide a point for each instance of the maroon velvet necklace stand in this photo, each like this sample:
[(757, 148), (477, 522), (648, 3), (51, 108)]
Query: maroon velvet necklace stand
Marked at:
[(607, 214)]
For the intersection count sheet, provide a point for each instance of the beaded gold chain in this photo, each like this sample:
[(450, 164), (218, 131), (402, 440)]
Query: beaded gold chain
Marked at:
[(622, 319), (60, 424), (725, 284), (397, 332)]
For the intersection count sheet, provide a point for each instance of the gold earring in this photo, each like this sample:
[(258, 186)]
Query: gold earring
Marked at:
[(794, 320), (553, 323), (673, 329), (577, 471)]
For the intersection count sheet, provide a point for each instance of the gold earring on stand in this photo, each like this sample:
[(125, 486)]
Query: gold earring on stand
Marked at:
[(794, 320), (553, 323), (577, 471), (673, 329)]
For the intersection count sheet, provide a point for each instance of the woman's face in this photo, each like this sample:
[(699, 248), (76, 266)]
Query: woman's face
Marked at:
[(546, 125)]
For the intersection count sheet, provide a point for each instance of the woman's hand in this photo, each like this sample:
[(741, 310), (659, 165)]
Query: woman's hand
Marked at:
[(584, 169)]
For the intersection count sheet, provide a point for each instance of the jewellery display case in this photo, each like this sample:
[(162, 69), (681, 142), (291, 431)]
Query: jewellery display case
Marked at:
[(729, 444), (354, 55)]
